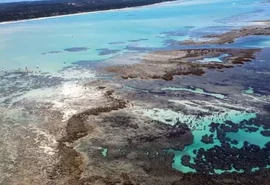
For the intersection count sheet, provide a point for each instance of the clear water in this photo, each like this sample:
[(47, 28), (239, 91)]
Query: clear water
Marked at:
[(250, 90), (104, 152), (22, 44), (200, 126), (218, 59), (254, 137)]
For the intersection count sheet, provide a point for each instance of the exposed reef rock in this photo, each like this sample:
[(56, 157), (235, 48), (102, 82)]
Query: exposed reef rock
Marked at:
[(167, 64), (229, 37), (69, 167), (135, 150), (134, 142), (111, 143)]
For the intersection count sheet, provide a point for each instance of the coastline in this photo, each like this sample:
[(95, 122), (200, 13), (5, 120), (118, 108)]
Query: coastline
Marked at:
[(90, 12), (170, 2)]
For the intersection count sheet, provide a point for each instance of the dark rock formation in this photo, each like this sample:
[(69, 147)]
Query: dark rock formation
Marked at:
[(207, 139), (186, 160), (224, 157), (265, 133)]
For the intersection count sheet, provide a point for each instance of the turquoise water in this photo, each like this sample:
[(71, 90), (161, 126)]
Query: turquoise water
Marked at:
[(218, 59), (104, 152), (200, 126), (212, 59), (252, 137), (22, 44), (250, 90)]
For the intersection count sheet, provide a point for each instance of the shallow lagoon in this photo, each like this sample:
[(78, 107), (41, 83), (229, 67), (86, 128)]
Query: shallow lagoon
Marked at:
[(22, 44)]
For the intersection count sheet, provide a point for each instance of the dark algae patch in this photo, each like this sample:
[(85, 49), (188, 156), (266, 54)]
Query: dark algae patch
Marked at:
[(106, 51), (76, 49), (51, 52)]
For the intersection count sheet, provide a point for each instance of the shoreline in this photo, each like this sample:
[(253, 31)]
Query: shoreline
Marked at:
[(170, 2), (90, 12)]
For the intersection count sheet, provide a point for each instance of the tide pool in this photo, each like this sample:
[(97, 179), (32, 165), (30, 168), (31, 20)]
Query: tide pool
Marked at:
[(250, 90), (252, 137), (219, 59), (200, 126), (104, 152)]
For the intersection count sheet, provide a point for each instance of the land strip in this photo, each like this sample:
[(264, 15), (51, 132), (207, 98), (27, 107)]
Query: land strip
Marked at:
[(38, 9)]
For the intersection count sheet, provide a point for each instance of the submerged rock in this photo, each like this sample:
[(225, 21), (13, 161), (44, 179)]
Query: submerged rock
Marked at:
[(76, 49), (186, 160), (235, 142), (265, 133), (207, 139)]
